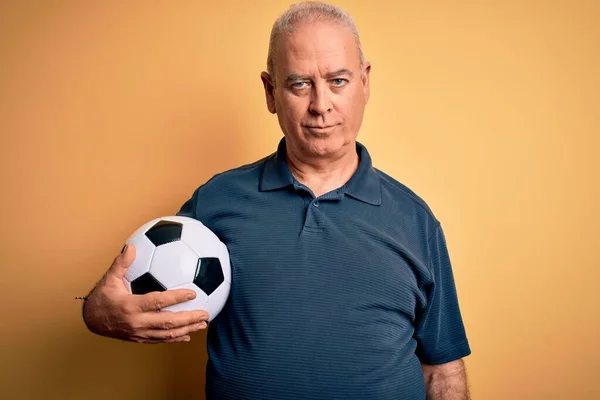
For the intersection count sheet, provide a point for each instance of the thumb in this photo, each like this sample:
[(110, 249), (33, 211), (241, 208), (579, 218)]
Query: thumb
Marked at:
[(123, 261)]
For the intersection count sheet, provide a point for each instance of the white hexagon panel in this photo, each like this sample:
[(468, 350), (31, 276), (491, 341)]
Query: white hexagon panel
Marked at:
[(179, 252)]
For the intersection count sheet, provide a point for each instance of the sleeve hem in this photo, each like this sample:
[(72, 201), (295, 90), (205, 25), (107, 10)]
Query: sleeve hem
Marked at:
[(458, 352)]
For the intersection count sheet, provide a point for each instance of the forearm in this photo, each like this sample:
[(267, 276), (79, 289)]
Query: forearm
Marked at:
[(446, 383)]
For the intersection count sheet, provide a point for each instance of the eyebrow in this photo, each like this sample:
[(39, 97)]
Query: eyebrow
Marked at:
[(298, 77)]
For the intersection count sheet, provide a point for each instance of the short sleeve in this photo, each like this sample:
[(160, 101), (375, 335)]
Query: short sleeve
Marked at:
[(188, 209), (440, 331)]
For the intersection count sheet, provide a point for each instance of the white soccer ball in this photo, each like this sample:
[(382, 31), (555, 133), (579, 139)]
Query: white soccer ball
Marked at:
[(180, 253)]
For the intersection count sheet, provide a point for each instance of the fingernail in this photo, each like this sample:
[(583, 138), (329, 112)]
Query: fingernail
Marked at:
[(186, 339), (191, 296), (201, 326)]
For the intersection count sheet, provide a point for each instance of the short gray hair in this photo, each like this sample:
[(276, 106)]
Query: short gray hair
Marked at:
[(310, 11)]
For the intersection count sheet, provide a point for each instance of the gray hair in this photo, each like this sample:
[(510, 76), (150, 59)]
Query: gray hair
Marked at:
[(310, 11)]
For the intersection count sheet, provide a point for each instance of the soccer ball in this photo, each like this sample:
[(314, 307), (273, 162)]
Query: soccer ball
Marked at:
[(180, 253)]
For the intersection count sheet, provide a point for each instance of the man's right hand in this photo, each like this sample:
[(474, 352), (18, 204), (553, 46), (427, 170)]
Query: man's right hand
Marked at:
[(110, 310)]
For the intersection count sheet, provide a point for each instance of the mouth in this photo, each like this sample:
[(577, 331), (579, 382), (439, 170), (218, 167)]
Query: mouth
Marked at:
[(320, 128)]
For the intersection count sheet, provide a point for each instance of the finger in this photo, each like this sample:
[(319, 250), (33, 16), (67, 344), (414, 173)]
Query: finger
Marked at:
[(170, 334), (156, 301), (171, 320), (123, 261), (180, 339), (139, 339)]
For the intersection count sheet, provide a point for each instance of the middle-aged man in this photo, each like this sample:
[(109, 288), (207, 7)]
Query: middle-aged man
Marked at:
[(342, 287)]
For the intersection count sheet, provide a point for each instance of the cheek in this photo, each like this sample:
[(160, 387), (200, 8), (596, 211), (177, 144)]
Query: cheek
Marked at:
[(294, 110), (346, 107), (351, 111)]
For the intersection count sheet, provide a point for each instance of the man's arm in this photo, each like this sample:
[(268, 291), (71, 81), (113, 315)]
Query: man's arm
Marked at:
[(446, 381)]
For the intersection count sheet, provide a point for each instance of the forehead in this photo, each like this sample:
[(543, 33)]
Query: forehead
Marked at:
[(317, 47)]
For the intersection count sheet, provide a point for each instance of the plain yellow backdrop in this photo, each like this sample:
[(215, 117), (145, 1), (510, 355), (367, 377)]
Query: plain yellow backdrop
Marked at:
[(113, 112)]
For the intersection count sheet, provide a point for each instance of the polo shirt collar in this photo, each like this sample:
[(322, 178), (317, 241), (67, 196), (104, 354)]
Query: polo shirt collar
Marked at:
[(364, 185), (276, 173)]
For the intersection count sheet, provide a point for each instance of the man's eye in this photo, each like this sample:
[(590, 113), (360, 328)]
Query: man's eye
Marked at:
[(339, 81), (299, 85)]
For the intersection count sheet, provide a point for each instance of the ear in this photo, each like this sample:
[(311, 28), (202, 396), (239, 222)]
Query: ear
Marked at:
[(267, 81), (366, 81)]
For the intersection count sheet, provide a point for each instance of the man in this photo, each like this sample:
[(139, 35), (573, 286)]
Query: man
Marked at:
[(342, 287)]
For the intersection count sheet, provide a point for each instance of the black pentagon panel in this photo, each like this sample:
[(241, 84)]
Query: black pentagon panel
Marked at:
[(209, 274), (146, 284), (164, 232)]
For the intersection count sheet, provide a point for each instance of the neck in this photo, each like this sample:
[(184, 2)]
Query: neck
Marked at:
[(322, 175)]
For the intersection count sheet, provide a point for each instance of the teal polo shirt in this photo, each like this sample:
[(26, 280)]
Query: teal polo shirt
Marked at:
[(340, 296)]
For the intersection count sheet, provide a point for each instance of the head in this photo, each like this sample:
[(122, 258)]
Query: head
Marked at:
[(317, 80)]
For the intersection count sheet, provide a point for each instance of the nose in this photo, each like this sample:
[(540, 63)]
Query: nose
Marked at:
[(320, 102)]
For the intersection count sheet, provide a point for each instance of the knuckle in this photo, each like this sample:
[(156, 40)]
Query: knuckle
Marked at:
[(128, 309), (134, 324), (159, 304), (117, 262), (169, 335), (128, 304), (168, 324)]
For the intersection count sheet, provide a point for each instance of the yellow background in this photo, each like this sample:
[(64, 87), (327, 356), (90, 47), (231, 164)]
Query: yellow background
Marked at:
[(113, 112)]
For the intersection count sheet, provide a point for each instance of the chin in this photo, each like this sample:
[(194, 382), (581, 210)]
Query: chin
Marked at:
[(325, 146)]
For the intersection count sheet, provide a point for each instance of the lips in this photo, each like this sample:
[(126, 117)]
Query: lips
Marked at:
[(320, 130), (320, 127)]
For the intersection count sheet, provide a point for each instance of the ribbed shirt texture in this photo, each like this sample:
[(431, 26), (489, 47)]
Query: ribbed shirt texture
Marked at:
[(336, 297)]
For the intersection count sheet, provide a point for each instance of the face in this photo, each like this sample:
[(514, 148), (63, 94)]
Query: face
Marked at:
[(319, 95)]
